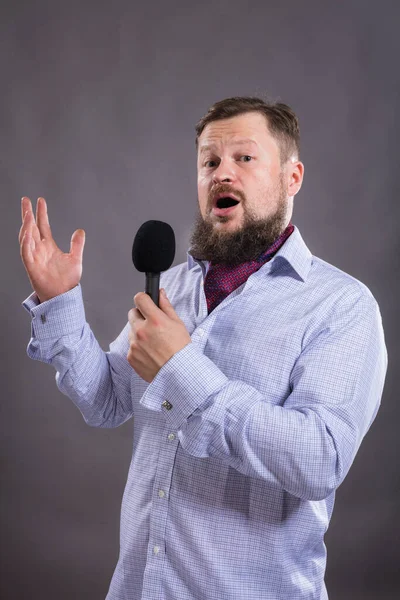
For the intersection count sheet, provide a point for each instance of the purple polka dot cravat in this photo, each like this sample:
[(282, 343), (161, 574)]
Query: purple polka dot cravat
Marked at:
[(221, 280)]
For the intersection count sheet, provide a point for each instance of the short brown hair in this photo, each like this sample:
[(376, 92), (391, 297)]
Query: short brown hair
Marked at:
[(281, 120)]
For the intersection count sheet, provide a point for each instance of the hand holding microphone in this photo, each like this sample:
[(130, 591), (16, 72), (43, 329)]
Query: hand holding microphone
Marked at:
[(156, 332)]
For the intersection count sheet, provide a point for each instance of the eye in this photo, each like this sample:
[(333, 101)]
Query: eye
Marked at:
[(210, 163), (246, 158)]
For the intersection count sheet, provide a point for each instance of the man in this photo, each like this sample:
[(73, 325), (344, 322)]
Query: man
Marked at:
[(252, 385)]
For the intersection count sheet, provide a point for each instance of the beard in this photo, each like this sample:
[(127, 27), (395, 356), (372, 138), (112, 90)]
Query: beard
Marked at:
[(246, 243)]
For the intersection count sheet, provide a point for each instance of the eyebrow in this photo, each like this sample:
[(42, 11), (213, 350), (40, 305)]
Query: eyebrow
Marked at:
[(235, 143)]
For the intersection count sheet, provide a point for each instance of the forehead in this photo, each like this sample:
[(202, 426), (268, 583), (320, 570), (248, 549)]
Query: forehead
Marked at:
[(250, 128)]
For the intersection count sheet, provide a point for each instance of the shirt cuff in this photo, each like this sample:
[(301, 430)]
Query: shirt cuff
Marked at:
[(58, 316), (184, 384)]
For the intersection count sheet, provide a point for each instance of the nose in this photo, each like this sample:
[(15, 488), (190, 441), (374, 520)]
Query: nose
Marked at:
[(224, 173)]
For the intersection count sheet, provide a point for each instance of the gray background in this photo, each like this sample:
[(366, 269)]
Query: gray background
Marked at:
[(98, 106)]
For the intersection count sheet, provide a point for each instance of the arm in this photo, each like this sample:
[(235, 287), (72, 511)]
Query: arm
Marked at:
[(97, 382), (305, 446)]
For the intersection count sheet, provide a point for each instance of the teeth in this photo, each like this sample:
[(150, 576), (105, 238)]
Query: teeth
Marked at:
[(226, 202)]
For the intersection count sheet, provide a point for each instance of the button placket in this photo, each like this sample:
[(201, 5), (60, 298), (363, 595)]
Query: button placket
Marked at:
[(159, 513)]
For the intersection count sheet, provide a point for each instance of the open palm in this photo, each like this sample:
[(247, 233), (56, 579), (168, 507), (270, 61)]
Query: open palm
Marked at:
[(50, 271)]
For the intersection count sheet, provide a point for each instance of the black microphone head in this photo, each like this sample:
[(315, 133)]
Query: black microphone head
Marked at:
[(153, 248)]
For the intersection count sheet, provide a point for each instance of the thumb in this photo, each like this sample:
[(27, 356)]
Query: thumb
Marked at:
[(166, 306), (77, 243)]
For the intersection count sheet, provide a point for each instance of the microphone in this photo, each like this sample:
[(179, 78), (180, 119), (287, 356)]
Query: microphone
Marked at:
[(153, 251)]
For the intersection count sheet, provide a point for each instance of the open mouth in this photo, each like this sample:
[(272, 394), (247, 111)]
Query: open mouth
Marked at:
[(226, 202)]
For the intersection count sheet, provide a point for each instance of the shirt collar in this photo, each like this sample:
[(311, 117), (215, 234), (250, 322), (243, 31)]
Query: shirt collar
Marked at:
[(293, 252)]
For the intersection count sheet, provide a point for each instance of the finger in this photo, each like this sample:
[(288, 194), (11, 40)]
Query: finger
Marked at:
[(166, 306), (146, 305), (26, 249), (29, 225), (22, 230), (78, 243), (25, 206), (32, 227), (42, 219), (134, 315), (27, 218)]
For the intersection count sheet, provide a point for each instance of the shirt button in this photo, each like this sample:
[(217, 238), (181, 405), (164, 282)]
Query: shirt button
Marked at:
[(161, 493), (156, 549), (200, 332), (171, 437), (167, 405)]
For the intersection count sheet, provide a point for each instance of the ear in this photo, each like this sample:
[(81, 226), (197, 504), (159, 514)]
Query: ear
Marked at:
[(295, 177)]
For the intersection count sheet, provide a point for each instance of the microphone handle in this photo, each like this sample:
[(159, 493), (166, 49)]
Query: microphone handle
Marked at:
[(153, 287)]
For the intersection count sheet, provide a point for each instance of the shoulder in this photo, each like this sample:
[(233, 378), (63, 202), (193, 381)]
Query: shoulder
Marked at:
[(330, 276), (345, 296), (341, 307)]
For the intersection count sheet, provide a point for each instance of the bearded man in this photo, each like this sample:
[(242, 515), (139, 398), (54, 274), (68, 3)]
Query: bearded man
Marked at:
[(252, 384)]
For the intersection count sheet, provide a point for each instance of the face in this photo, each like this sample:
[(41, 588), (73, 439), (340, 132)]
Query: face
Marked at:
[(239, 159)]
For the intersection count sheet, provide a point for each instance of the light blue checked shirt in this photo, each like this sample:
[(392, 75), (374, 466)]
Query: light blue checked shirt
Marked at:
[(231, 485)]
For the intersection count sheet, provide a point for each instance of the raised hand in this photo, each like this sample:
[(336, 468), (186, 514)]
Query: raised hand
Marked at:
[(50, 271)]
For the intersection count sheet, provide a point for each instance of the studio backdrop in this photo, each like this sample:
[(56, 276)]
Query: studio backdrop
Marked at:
[(98, 106)]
